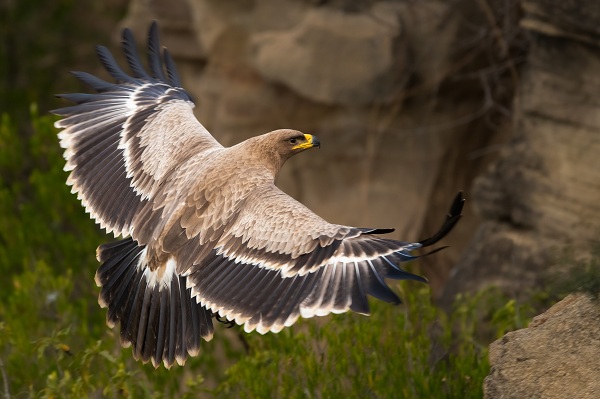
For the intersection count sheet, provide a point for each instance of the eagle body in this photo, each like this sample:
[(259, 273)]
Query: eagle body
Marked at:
[(205, 231)]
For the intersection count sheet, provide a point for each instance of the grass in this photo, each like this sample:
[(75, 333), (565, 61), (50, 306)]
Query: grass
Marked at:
[(409, 351)]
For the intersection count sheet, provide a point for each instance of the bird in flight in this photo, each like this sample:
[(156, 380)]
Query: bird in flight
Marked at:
[(205, 230)]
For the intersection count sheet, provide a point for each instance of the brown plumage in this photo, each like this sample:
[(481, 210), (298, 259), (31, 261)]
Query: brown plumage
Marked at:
[(206, 231)]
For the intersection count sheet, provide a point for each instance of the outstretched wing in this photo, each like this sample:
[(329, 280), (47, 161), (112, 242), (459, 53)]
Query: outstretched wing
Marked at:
[(276, 260), (263, 275), (124, 141)]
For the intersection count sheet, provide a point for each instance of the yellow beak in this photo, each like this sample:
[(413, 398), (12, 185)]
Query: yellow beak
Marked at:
[(311, 141)]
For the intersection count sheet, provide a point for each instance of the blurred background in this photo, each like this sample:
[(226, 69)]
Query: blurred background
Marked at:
[(412, 102)]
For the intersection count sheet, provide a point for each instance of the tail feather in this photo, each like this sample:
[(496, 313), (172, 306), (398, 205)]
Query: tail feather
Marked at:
[(160, 320), (120, 299), (162, 327), (146, 325)]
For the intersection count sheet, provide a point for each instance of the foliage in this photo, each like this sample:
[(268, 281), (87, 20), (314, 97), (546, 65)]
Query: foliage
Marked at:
[(54, 341), (410, 351), (40, 40)]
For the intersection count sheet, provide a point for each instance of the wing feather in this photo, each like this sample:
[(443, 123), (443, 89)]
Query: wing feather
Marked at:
[(123, 142), (113, 68), (94, 82), (171, 70), (154, 59), (266, 300), (133, 59)]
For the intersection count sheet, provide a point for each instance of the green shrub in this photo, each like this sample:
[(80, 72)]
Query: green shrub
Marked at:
[(409, 351), (42, 41)]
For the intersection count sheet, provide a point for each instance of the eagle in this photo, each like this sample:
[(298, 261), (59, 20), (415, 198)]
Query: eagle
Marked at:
[(204, 230)]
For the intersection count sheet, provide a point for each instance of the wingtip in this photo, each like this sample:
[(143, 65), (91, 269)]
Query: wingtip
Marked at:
[(458, 204), (127, 36), (100, 49), (153, 32), (452, 218)]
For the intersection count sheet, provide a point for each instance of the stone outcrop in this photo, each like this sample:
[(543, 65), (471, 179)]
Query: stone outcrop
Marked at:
[(367, 66), (543, 193), (556, 357)]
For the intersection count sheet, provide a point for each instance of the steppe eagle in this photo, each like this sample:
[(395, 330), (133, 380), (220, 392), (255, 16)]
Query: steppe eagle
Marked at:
[(205, 230)]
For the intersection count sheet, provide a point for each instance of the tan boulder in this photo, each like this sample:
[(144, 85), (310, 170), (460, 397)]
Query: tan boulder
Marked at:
[(556, 357)]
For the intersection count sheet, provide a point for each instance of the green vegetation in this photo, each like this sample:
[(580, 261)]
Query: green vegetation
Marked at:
[(410, 351), (40, 41), (54, 342)]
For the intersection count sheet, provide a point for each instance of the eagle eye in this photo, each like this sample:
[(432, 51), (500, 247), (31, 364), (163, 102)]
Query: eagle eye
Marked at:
[(293, 140)]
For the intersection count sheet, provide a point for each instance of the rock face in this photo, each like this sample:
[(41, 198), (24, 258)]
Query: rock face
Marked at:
[(556, 357), (543, 193), (367, 66)]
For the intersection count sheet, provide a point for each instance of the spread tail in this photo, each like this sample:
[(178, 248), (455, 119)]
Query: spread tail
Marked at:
[(159, 317)]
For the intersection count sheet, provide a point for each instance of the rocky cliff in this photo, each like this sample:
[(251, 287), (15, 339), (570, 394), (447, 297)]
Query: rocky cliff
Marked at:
[(543, 194)]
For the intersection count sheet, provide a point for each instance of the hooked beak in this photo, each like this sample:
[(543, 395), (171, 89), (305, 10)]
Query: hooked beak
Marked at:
[(311, 141), (315, 141)]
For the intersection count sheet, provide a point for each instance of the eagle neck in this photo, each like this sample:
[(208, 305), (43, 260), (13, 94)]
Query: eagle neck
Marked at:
[(263, 159)]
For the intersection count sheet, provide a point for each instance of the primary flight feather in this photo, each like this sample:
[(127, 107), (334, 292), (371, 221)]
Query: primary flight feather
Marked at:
[(206, 231)]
